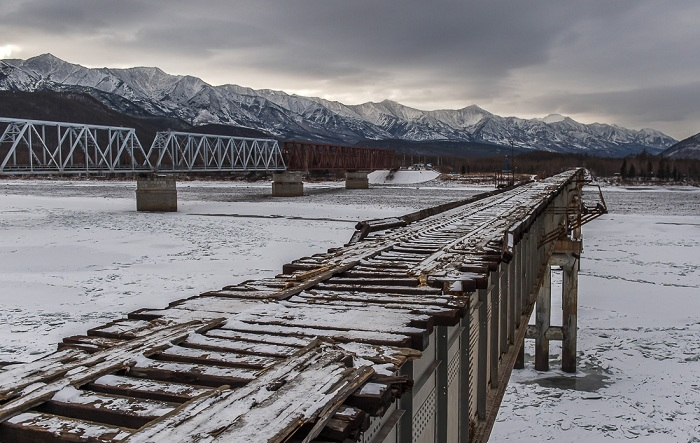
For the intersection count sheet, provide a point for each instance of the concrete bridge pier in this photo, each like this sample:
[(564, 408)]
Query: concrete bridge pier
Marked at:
[(356, 180), (157, 193), (287, 184)]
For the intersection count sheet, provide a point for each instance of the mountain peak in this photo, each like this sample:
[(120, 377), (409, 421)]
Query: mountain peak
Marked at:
[(553, 118)]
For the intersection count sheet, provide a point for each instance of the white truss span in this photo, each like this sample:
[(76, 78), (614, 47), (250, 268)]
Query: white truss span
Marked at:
[(186, 152), (45, 147), (33, 146)]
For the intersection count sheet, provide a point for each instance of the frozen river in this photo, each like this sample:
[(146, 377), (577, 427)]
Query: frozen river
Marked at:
[(75, 254)]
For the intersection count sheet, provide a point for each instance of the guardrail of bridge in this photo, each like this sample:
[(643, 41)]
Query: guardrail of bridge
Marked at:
[(37, 146)]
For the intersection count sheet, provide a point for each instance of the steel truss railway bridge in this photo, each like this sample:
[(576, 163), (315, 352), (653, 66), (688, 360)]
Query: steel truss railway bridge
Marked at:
[(43, 147), (409, 333)]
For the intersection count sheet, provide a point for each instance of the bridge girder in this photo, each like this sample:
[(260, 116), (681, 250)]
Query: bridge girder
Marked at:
[(307, 156)]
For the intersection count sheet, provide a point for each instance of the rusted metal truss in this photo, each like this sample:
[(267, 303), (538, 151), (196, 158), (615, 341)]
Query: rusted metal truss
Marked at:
[(578, 213), (306, 156)]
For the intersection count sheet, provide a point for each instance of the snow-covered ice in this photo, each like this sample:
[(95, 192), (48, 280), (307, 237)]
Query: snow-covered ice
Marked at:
[(75, 254)]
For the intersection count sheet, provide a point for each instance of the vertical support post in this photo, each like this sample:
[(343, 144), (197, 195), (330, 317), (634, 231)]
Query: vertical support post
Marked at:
[(524, 274), (512, 304), (520, 359), (503, 290), (570, 316), (517, 284), (441, 419), (494, 340), (463, 381), (482, 380), (542, 321), (406, 404)]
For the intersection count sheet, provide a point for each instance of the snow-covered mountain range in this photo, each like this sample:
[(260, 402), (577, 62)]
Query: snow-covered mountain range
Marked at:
[(688, 148), (150, 91)]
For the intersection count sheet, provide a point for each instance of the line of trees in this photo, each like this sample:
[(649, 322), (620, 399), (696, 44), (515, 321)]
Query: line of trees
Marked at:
[(643, 166)]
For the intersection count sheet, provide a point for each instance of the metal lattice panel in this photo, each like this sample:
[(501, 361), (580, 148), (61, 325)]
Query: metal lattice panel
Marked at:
[(372, 431), (424, 416), (453, 370)]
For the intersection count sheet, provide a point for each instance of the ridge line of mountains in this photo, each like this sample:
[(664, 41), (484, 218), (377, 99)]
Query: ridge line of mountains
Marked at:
[(150, 93)]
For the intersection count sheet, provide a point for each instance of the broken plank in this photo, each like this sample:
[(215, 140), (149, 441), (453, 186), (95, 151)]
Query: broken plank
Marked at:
[(202, 356), (105, 408), (301, 332), (303, 386), (32, 427), (145, 388), (120, 329), (275, 339), (200, 341), (36, 387), (207, 375), (380, 289)]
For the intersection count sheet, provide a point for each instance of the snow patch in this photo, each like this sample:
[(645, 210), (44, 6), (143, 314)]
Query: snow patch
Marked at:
[(401, 177)]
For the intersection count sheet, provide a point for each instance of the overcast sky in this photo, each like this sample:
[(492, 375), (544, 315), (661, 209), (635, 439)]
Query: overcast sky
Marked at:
[(635, 63)]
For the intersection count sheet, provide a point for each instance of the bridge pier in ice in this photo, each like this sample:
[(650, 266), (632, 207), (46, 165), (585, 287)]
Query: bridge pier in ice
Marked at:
[(287, 184), (157, 193), (356, 180)]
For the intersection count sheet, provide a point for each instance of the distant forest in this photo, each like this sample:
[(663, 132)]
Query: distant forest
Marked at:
[(640, 167)]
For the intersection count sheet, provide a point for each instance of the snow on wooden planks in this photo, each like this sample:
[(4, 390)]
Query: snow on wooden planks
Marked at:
[(310, 385)]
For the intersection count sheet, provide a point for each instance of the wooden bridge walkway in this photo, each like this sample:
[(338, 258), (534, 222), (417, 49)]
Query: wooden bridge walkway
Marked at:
[(407, 333)]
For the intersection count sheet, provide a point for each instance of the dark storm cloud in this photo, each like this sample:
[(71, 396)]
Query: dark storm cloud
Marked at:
[(623, 60), (73, 16), (672, 105)]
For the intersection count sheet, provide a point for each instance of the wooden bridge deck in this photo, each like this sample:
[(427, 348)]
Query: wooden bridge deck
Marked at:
[(429, 303)]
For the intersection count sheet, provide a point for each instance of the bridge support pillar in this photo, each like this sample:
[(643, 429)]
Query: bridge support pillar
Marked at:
[(520, 359), (157, 193), (356, 180), (542, 321), (287, 184), (570, 316)]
